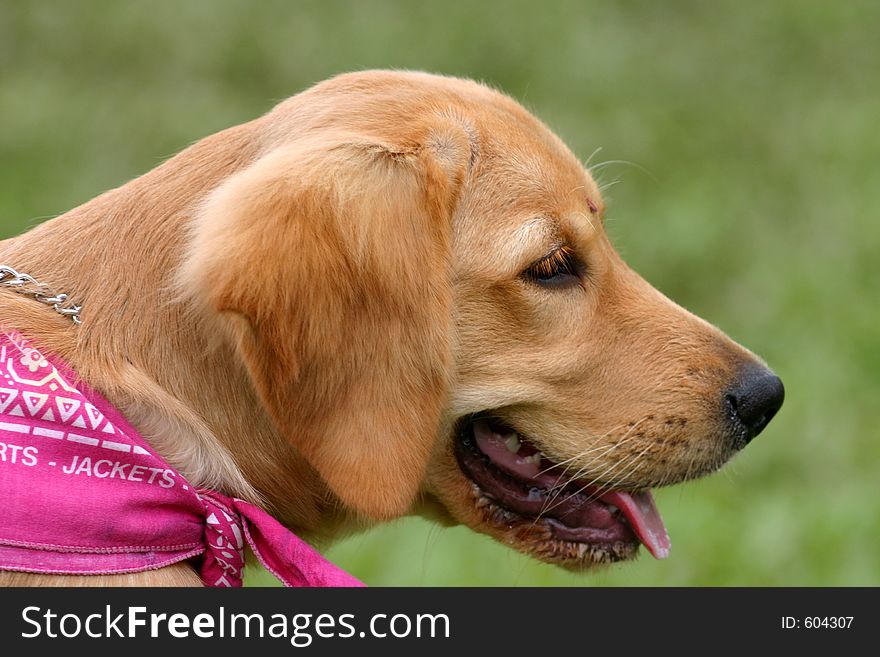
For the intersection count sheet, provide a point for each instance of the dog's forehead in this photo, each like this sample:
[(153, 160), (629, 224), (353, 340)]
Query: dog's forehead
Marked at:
[(532, 187), (522, 155)]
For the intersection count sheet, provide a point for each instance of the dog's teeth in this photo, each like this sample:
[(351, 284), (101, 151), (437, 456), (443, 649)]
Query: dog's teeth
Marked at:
[(613, 508), (512, 443), (534, 458)]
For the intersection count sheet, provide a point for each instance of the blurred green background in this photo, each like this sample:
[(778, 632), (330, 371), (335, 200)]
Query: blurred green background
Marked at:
[(754, 129)]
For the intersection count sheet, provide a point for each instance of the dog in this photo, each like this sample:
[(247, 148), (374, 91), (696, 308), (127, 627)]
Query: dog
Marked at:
[(392, 294)]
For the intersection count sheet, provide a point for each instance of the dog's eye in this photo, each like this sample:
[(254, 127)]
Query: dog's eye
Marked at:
[(560, 268)]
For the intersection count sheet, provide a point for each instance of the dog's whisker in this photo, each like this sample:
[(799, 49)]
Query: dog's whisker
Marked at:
[(559, 487), (584, 453), (639, 167), (620, 479), (595, 479), (554, 491), (563, 482), (595, 152), (606, 487), (624, 439), (606, 186)]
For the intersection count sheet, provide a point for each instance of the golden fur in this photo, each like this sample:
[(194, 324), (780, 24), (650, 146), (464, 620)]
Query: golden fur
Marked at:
[(347, 268)]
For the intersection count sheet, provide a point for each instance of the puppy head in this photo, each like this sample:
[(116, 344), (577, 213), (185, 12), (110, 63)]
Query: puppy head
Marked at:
[(417, 278)]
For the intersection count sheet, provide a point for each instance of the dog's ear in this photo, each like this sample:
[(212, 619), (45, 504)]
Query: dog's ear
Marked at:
[(330, 263)]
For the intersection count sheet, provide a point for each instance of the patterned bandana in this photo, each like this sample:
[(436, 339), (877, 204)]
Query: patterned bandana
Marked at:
[(85, 494)]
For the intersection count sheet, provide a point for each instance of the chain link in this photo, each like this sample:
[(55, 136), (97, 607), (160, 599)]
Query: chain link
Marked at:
[(28, 286)]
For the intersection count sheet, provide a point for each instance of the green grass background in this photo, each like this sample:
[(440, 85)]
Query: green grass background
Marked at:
[(755, 128)]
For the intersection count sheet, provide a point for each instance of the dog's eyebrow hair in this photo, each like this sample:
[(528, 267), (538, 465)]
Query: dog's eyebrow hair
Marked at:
[(537, 230), (588, 219)]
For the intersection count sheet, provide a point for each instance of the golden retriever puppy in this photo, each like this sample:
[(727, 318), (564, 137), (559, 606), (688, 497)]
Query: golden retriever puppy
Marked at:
[(393, 294)]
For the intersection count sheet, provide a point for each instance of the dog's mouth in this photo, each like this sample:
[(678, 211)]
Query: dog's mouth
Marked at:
[(526, 490)]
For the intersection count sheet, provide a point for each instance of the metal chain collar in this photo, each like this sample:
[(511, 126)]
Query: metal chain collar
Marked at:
[(28, 286)]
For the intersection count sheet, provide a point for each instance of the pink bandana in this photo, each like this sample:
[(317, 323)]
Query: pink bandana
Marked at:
[(84, 494)]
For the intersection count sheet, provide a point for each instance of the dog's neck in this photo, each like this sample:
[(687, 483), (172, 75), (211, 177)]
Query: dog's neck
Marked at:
[(150, 353)]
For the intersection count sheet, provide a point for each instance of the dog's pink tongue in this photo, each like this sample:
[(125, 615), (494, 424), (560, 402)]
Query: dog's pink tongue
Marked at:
[(644, 518)]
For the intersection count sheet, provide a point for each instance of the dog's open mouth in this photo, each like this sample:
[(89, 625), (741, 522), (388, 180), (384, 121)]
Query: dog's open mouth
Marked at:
[(531, 489)]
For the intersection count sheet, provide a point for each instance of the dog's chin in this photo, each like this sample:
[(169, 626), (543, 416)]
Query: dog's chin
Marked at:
[(519, 496)]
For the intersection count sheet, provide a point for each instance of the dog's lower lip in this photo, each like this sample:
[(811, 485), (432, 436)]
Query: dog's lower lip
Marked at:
[(507, 469)]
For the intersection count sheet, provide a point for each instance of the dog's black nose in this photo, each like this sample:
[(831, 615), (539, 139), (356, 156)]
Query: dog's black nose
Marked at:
[(753, 400)]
